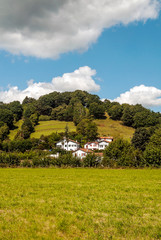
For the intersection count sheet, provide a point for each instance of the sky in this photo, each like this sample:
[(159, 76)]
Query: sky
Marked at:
[(111, 48)]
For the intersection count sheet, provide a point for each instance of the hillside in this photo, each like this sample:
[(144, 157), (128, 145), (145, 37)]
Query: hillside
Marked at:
[(47, 127), (109, 127), (106, 127), (13, 133)]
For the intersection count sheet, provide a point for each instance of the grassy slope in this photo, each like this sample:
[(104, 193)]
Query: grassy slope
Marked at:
[(93, 204), (48, 127), (106, 127), (13, 133), (109, 127)]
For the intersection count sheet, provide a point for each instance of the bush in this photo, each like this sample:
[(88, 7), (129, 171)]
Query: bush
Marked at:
[(44, 118), (91, 161)]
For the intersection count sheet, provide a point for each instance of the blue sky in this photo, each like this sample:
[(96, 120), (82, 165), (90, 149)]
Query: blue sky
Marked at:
[(125, 55)]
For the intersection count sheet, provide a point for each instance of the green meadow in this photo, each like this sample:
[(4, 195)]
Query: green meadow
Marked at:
[(80, 204), (48, 127), (106, 127), (109, 127), (13, 133)]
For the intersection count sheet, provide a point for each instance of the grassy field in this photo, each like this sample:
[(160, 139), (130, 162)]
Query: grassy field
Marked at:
[(48, 127), (109, 127), (80, 204), (13, 133), (106, 127)]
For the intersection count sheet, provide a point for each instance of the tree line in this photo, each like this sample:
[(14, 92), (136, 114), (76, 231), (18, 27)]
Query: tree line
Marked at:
[(82, 108)]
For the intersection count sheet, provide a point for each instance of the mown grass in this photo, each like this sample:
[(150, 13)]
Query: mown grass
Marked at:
[(13, 133), (109, 127), (80, 204), (47, 127)]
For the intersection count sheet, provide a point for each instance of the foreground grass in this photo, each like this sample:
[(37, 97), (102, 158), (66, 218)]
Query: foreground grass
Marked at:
[(80, 204), (47, 127), (109, 127)]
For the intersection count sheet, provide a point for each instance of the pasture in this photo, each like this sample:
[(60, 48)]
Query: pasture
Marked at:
[(80, 204), (48, 127), (13, 133), (109, 127)]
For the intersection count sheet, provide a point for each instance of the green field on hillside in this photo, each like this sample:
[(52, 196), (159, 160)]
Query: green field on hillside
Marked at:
[(109, 127), (93, 204), (47, 127), (13, 133), (106, 127)]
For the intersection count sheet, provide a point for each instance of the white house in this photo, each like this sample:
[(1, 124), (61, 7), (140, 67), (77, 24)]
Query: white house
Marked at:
[(101, 145), (108, 139), (91, 145), (81, 153), (68, 145)]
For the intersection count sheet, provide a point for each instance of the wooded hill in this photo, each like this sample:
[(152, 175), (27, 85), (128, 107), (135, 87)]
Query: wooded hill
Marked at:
[(72, 107), (84, 117)]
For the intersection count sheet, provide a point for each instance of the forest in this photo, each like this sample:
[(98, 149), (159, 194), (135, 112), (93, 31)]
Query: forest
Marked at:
[(81, 108)]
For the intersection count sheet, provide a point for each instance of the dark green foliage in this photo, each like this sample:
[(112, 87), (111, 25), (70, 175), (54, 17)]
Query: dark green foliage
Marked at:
[(107, 104), (19, 145), (145, 118), (34, 118), (97, 110), (6, 116), (152, 152), (91, 161), (88, 129), (141, 138), (4, 131), (79, 113), (16, 109), (121, 153), (43, 109), (115, 111), (137, 116), (127, 116), (28, 100), (152, 155), (9, 159), (53, 139), (59, 113), (27, 128)]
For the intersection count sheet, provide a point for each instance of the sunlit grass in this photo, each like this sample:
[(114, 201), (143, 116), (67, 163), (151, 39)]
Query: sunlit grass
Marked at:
[(80, 204), (109, 127), (47, 127), (13, 133)]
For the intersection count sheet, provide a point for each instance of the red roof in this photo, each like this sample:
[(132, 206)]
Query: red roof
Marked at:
[(73, 141), (84, 150), (105, 137)]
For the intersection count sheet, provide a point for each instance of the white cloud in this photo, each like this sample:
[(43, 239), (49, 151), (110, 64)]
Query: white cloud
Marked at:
[(147, 96), (47, 28), (79, 79)]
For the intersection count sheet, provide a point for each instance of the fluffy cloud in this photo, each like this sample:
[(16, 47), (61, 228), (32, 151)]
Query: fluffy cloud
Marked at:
[(81, 79), (47, 28), (147, 96)]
